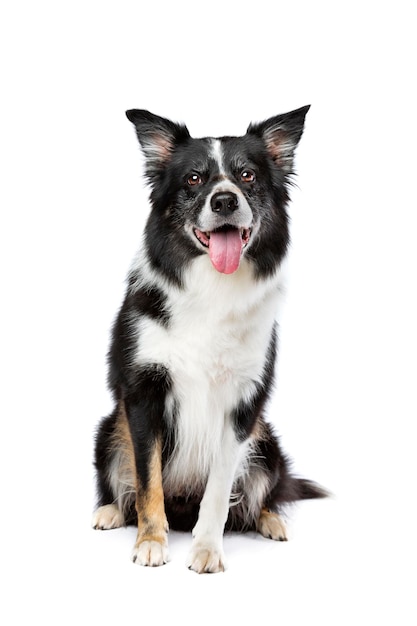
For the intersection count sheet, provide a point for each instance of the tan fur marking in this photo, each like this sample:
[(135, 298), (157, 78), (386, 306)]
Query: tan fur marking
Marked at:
[(152, 522), (123, 442), (271, 526), (107, 516), (123, 469)]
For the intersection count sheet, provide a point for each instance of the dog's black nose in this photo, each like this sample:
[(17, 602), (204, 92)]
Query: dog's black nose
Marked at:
[(224, 202)]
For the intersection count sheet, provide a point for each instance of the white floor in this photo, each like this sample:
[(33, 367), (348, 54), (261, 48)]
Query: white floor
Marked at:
[(334, 570), (73, 204)]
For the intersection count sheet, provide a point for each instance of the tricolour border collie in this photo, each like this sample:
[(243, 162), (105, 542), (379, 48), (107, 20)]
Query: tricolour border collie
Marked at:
[(191, 362)]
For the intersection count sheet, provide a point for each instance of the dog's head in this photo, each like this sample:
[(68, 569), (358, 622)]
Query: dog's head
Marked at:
[(223, 197)]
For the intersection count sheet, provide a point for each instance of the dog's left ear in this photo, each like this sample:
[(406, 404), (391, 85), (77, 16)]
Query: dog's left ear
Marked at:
[(158, 138), (281, 135)]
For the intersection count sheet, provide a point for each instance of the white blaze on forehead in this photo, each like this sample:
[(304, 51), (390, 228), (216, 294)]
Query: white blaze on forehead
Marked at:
[(217, 154), (243, 217)]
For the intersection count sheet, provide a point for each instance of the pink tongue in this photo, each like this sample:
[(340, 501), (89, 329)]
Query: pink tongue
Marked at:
[(225, 248)]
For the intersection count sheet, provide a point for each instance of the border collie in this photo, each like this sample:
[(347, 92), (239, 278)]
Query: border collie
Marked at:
[(191, 362)]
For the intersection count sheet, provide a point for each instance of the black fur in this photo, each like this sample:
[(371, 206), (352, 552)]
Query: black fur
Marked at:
[(143, 390), (169, 250), (145, 407)]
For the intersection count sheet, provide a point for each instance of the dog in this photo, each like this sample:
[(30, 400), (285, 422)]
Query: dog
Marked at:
[(191, 361)]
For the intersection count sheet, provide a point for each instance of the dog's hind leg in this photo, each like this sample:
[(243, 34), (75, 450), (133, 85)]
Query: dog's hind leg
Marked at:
[(107, 516), (115, 472), (271, 525), (284, 488)]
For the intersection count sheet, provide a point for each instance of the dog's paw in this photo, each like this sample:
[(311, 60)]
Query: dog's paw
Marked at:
[(271, 526), (205, 559), (150, 552), (107, 517)]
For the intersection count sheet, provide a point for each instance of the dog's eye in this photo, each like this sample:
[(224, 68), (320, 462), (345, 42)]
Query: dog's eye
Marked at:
[(247, 176), (194, 179)]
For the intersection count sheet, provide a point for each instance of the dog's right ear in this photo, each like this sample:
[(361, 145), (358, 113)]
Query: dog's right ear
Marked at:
[(158, 138)]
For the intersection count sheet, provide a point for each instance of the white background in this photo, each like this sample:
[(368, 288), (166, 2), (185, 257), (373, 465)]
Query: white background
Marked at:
[(73, 204)]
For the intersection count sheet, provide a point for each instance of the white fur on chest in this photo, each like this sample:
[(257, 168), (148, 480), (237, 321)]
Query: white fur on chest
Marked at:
[(214, 348)]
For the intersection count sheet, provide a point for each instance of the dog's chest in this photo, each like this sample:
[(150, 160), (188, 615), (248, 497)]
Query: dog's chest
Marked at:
[(218, 333), (214, 348)]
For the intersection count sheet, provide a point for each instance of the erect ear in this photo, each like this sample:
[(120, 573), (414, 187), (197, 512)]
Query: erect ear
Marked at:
[(157, 136), (281, 135)]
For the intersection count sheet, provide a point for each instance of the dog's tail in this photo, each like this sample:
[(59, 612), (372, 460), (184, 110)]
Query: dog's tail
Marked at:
[(290, 488), (308, 489)]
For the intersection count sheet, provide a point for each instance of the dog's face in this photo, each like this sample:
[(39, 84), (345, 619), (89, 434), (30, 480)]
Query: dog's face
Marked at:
[(222, 197)]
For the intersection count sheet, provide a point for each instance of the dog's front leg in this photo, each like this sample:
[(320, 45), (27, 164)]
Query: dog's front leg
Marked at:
[(206, 553), (145, 410), (151, 547)]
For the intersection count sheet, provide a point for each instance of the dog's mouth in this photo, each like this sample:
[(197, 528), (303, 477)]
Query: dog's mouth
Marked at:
[(225, 246)]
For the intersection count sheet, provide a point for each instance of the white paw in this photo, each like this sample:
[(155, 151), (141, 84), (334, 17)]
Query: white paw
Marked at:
[(271, 526), (152, 553), (107, 517), (206, 559)]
